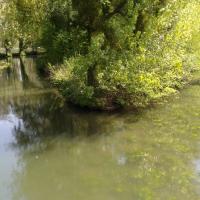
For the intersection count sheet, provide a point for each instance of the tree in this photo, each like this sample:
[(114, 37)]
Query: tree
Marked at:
[(109, 53), (22, 22), (135, 51)]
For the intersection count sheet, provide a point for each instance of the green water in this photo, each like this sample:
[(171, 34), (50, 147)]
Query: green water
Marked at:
[(51, 152)]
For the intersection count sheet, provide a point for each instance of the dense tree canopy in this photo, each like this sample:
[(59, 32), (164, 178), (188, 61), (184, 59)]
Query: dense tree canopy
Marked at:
[(108, 53)]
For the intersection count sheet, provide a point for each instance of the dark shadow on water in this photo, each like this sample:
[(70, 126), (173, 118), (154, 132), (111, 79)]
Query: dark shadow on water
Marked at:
[(41, 113)]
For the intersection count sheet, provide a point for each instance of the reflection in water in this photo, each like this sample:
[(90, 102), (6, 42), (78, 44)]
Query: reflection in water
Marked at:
[(49, 151)]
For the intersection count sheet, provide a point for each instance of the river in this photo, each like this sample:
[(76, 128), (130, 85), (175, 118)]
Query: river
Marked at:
[(49, 151)]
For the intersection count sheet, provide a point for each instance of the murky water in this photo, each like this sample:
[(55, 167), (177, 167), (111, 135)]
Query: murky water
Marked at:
[(51, 152)]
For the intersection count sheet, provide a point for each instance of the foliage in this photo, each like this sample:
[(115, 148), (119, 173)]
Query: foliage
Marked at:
[(22, 22), (110, 53), (132, 66)]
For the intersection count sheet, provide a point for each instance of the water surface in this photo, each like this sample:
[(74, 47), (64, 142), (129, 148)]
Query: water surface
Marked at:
[(49, 151)]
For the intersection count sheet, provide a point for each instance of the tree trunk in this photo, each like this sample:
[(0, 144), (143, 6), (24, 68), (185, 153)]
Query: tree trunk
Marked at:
[(6, 46), (21, 45), (91, 76), (139, 26), (91, 72)]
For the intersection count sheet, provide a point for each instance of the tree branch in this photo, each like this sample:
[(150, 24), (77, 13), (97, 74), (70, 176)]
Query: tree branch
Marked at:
[(116, 10)]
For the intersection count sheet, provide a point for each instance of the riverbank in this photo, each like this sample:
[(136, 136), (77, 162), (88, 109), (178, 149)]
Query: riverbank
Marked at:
[(106, 103), (110, 101)]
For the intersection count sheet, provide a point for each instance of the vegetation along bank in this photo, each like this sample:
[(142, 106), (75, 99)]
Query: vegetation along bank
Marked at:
[(105, 54)]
